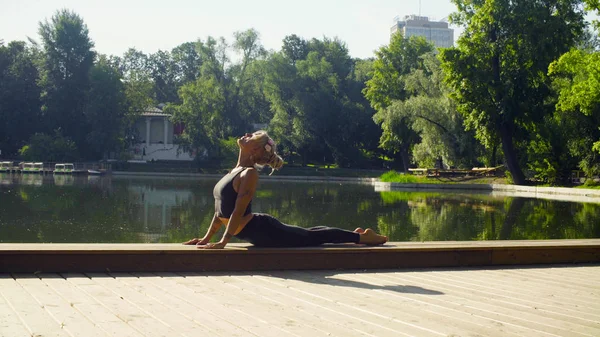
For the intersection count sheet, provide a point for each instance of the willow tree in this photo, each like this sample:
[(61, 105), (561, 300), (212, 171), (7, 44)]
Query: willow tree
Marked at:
[(498, 71), (392, 65)]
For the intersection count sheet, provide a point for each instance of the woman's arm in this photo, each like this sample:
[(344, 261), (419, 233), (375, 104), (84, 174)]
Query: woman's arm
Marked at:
[(248, 181), (212, 229)]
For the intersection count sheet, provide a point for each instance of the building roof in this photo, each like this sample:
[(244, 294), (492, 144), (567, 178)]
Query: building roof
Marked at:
[(154, 112)]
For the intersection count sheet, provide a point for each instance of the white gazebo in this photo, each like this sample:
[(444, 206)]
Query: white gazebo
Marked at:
[(155, 141)]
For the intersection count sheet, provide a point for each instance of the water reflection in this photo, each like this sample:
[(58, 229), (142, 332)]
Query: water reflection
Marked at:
[(36, 208)]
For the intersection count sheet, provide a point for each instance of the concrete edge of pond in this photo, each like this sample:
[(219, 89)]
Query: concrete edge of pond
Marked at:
[(554, 193), (263, 176), (32, 258)]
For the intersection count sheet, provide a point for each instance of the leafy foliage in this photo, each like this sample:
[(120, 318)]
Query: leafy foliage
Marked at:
[(498, 71), (19, 96)]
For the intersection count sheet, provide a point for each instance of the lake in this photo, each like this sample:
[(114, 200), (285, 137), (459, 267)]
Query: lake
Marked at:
[(124, 209)]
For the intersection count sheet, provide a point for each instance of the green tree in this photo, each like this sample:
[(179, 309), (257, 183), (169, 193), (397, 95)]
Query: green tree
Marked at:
[(139, 90), (593, 6), (319, 112), (65, 82), (49, 148), (105, 109), (432, 115), (164, 72), (387, 84), (294, 48), (498, 72), (19, 96), (218, 104), (577, 79), (187, 61)]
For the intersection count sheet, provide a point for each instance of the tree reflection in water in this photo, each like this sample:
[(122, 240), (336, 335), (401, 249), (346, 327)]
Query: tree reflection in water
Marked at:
[(105, 209)]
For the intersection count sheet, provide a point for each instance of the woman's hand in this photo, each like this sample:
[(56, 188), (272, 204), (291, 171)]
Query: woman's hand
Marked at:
[(196, 241), (218, 245)]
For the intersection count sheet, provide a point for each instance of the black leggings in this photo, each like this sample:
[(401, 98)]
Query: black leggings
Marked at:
[(264, 230)]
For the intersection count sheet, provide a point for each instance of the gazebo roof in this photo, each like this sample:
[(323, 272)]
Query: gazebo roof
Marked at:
[(154, 112)]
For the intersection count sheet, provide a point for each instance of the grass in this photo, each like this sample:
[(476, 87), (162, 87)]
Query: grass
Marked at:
[(590, 185), (395, 177)]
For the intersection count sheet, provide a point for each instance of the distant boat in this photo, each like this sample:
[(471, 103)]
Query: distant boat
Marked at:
[(33, 167), (5, 166), (95, 172), (66, 168)]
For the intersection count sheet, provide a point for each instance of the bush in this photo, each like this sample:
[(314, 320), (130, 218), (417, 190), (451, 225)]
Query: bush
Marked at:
[(395, 177), (43, 147)]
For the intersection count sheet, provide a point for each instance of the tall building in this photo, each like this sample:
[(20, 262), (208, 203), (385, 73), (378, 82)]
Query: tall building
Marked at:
[(436, 32)]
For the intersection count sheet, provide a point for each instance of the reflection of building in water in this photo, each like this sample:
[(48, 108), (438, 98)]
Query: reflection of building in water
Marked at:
[(158, 205), (63, 180), (7, 179), (32, 179)]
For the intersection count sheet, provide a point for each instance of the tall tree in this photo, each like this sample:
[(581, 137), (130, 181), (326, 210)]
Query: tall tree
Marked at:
[(498, 72), (65, 82), (19, 96), (164, 72), (105, 110), (188, 61), (319, 112), (217, 105), (429, 112), (387, 84), (577, 79)]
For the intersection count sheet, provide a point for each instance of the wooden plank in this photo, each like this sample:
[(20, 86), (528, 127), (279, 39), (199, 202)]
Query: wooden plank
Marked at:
[(174, 257), (272, 313), (468, 302), (89, 307), (226, 307), (544, 319), (444, 305), (509, 312), (565, 295), (368, 311), (552, 277), (406, 304), (300, 310), (71, 320), (534, 297), (37, 320), (147, 323), (182, 304), (11, 324), (220, 316), (122, 286), (174, 248), (325, 310)]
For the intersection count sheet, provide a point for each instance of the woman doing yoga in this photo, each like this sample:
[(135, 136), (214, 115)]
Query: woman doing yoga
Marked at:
[(233, 200)]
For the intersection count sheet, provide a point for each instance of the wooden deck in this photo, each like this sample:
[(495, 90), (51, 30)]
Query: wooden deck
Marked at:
[(513, 301), (241, 257)]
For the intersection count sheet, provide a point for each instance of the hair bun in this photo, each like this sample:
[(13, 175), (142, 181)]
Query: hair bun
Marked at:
[(276, 162)]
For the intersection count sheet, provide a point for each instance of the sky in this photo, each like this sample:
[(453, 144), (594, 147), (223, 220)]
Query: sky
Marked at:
[(152, 25)]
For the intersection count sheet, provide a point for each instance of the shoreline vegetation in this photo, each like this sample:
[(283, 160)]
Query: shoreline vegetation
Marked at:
[(333, 172), (475, 104)]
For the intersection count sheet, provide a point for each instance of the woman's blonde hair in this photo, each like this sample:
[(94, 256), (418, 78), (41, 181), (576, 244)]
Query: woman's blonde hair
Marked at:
[(269, 152)]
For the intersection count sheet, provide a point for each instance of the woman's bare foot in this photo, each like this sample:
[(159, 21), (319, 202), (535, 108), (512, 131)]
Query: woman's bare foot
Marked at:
[(359, 230), (369, 237)]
